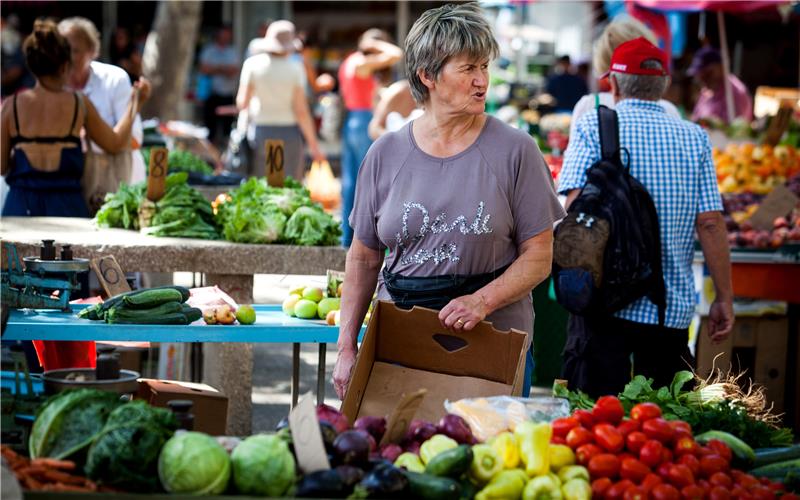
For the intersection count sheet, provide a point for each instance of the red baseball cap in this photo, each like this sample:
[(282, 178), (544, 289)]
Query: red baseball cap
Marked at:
[(629, 56)]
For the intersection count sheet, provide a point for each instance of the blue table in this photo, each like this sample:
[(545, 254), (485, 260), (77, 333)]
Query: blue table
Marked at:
[(271, 325)]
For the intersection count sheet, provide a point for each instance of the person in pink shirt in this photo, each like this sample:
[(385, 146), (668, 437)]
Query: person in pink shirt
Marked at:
[(707, 69)]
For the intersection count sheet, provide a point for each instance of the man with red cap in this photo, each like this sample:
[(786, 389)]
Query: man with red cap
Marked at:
[(672, 159)]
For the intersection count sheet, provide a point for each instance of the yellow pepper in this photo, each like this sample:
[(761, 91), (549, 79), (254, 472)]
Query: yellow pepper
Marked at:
[(505, 445), (534, 443), (576, 489), (485, 463), (410, 461), (546, 487), (506, 485), (561, 455), (570, 472), (435, 445)]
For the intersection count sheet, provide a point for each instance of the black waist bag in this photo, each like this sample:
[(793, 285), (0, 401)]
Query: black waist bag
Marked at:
[(434, 292), (607, 251)]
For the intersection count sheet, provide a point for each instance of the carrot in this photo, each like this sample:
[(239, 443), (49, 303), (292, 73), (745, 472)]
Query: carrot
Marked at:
[(54, 463), (63, 487), (32, 471), (30, 483), (62, 477)]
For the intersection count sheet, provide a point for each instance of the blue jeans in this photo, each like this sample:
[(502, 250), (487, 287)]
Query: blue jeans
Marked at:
[(529, 366), (355, 143)]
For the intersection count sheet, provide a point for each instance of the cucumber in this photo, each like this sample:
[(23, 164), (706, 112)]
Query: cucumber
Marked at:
[(778, 471), (451, 463), (766, 456), (429, 487), (192, 313), (116, 299), (468, 489), (123, 312), (742, 452), (177, 318), (147, 299), (92, 312)]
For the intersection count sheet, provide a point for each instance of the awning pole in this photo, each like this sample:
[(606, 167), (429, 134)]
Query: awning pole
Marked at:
[(726, 65)]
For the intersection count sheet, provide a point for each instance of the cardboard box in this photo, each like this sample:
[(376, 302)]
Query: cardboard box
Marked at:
[(404, 351), (756, 345), (210, 407)]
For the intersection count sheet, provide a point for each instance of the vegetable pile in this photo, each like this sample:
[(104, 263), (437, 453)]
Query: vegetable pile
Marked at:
[(151, 306), (179, 160)]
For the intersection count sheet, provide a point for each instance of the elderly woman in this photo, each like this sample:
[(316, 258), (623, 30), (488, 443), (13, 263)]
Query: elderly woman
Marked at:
[(108, 87), (464, 204)]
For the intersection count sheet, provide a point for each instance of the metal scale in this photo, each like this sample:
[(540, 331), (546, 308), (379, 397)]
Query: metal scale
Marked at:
[(34, 286)]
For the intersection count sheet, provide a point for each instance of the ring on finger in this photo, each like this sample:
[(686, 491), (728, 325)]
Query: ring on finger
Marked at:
[(459, 322)]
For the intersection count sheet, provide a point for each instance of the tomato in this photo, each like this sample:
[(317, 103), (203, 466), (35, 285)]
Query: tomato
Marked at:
[(561, 426), (692, 492), (635, 493), (691, 462), (704, 484), (627, 426), (579, 436), (790, 496), (635, 440), (557, 440), (585, 453), (650, 481), (600, 486), (721, 449), (666, 455), (680, 425), (658, 429), (746, 481), (719, 493), (764, 480), (608, 437), (739, 492), (604, 465), (617, 490), (608, 409), (680, 475), (761, 492), (719, 478), (711, 464), (663, 470), (775, 486), (651, 453), (584, 417), (686, 445), (645, 411), (632, 469), (665, 492), (705, 450)]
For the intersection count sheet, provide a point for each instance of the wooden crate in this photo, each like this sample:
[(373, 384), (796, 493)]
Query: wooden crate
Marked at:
[(757, 345)]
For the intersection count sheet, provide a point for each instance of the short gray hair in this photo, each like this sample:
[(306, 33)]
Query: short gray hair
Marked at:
[(85, 28), (442, 33), (648, 87)]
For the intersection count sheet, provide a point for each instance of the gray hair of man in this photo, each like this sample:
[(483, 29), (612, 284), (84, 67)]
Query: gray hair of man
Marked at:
[(84, 28), (441, 34), (646, 87)]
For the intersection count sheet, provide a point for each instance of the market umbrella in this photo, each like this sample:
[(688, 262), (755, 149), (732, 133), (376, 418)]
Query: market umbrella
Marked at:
[(720, 7)]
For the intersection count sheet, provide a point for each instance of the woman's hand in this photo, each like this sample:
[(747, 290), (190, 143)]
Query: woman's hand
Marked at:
[(464, 313), (143, 87), (317, 154), (343, 370)]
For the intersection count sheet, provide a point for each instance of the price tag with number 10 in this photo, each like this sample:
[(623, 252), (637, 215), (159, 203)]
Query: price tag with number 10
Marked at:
[(275, 160)]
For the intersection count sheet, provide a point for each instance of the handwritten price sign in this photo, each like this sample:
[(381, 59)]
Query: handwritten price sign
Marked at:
[(157, 175), (274, 150)]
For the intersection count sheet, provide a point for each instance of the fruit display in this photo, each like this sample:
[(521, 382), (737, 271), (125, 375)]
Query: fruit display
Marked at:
[(311, 302), (739, 207), (749, 168), (150, 306)]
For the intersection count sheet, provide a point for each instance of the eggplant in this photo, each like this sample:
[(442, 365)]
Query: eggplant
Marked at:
[(350, 475), (373, 446), (322, 484), (351, 448), (384, 481)]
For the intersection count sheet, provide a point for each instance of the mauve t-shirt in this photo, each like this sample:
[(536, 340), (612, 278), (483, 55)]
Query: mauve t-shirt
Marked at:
[(465, 214)]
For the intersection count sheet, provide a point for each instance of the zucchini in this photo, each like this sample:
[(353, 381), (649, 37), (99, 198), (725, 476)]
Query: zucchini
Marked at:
[(123, 312), (451, 463), (177, 318), (429, 487), (148, 299), (116, 299), (192, 313), (777, 471), (742, 452), (766, 456), (92, 312)]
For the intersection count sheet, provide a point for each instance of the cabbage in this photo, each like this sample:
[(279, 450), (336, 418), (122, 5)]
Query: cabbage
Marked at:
[(312, 226), (194, 463), (263, 465)]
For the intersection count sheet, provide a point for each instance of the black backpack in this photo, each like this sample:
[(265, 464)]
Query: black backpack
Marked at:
[(607, 251)]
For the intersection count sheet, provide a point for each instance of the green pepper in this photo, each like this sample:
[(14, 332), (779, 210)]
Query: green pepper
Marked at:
[(506, 485), (485, 463), (505, 445), (435, 445), (534, 446), (545, 487), (410, 461), (577, 489), (571, 472)]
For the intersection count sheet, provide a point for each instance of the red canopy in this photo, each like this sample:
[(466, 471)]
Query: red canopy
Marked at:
[(730, 6)]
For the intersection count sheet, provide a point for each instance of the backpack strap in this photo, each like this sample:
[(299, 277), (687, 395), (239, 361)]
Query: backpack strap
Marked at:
[(608, 125)]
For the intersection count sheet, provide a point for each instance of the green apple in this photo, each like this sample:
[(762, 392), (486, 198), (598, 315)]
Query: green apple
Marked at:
[(305, 309), (289, 303), (312, 293), (297, 291), (326, 305), (246, 315)]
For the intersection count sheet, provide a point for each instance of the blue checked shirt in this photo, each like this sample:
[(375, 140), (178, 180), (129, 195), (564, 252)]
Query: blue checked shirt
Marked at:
[(672, 158)]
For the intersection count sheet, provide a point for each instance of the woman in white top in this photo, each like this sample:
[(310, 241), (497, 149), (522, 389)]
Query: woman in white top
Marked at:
[(620, 30), (271, 89), (108, 87)]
